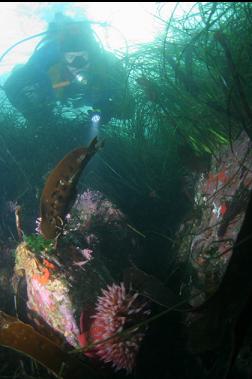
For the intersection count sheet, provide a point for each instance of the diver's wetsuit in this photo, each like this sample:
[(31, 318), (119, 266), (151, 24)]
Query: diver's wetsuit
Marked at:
[(29, 87)]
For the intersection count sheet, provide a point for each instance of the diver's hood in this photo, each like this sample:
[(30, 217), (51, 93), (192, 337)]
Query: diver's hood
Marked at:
[(76, 36), (71, 45)]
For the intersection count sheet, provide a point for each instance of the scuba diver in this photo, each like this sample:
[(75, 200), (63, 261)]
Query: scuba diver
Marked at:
[(70, 67)]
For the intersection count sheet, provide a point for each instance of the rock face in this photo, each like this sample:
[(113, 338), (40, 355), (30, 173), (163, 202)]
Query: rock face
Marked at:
[(48, 294), (220, 204), (65, 283)]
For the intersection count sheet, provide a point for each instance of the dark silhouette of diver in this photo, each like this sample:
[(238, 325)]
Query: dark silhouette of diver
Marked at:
[(70, 66)]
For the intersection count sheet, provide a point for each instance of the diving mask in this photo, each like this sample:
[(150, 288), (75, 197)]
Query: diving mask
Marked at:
[(77, 60), (78, 64)]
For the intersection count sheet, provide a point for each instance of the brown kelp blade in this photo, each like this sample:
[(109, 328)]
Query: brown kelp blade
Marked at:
[(59, 190), (22, 337)]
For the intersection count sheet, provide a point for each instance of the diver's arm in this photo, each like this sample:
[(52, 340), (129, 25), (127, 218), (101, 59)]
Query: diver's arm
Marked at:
[(45, 57), (30, 86), (34, 72), (28, 89)]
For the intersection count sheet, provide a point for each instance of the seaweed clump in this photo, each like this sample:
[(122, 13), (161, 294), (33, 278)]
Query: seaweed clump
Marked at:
[(37, 244)]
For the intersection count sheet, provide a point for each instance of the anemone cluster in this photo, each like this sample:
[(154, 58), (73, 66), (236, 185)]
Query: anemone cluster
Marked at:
[(115, 323)]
